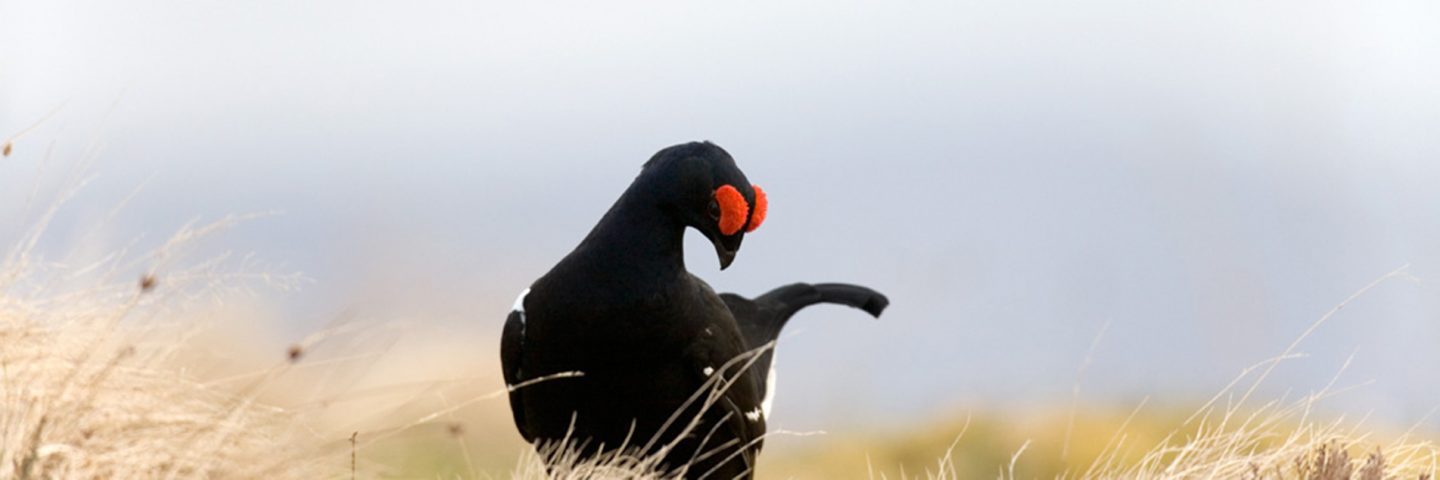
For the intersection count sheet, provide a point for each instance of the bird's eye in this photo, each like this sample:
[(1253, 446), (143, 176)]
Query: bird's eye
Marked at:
[(714, 210)]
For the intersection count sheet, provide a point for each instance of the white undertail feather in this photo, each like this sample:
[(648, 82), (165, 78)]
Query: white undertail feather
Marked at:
[(769, 388)]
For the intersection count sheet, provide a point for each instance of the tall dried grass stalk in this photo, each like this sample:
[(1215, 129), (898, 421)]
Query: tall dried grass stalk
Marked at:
[(88, 383)]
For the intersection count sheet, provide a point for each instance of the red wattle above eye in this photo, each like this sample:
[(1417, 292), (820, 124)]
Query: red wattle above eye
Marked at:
[(761, 205), (733, 209)]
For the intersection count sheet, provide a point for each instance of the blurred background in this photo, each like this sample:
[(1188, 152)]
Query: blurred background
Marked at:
[(1200, 181)]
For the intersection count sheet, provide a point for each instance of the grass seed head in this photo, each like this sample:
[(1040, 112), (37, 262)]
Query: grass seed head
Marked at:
[(147, 283)]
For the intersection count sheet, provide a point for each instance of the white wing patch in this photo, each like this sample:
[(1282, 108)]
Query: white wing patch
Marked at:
[(709, 371), (520, 304), (519, 308), (754, 415), (769, 388)]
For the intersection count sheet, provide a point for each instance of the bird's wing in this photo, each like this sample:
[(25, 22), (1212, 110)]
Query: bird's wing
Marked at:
[(512, 343), (722, 357), (735, 411)]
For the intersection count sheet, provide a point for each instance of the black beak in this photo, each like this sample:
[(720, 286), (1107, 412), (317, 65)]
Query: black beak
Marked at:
[(726, 248), (726, 258)]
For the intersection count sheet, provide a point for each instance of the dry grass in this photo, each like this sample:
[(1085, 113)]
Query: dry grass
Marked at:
[(89, 384), (1275, 447), (122, 364), (1275, 440), (1278, 443)]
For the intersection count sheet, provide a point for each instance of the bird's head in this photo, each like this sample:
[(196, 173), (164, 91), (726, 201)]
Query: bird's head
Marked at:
[(701, 187)]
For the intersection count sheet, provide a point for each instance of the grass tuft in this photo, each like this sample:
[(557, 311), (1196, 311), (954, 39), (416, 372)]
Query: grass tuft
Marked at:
[(92, 379)]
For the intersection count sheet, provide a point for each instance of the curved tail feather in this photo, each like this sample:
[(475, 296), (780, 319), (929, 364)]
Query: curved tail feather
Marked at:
[(762, 319), (800, 295)]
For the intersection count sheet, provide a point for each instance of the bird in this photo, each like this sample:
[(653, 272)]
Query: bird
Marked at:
[(619, 348)]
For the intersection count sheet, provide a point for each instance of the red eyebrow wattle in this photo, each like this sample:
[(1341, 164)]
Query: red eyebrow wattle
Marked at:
[(761, 206), (733, 209)]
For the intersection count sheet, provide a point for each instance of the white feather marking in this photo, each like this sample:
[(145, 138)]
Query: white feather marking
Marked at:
[(520, 304), (769, 388), (709, 371), (754, 415)]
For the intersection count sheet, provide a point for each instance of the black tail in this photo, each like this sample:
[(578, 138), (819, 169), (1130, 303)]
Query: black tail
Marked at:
[(794, 297), (762, 319)]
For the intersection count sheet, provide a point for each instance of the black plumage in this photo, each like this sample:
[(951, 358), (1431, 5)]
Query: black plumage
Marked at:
[(646, 335)]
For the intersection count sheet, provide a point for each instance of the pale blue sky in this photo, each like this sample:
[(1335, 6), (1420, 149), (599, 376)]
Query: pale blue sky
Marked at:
[(1208, 177)]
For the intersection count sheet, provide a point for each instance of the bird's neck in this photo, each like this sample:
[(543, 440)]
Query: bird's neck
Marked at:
[(637, 239)]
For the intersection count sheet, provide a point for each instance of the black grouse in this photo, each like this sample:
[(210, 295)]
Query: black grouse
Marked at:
[(646, 335)]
